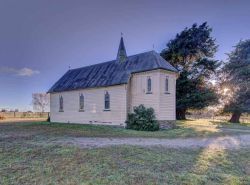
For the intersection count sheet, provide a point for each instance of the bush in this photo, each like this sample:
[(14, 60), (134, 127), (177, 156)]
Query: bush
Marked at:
[(142, 119)]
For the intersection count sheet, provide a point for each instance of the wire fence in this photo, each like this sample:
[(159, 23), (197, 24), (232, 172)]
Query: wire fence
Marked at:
[(10, 115)]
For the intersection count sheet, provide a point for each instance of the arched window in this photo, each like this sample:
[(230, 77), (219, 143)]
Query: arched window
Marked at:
[(166, 84), (81, 102), (61, 104), (106, 101), (149, 85)]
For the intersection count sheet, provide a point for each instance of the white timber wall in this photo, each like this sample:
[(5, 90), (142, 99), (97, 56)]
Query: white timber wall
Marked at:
[(93, 106), (161, 101), (167, 104)]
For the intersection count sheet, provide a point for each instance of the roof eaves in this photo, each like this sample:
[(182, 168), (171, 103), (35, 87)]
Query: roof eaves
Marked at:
[(80, 88)]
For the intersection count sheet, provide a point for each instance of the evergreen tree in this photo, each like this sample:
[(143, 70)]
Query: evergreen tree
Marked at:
[(236, 78), (191, 52)]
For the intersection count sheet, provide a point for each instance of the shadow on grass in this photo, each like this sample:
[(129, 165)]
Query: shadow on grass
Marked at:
[(221, 166), (24, 163), (36, 160)]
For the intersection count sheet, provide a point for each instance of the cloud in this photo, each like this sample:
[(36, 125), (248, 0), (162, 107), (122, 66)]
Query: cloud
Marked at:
[(27, 72), (19, 72)]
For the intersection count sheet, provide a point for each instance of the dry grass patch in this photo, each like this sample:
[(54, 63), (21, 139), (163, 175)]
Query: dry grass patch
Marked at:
[(28, 155), (48, 164)]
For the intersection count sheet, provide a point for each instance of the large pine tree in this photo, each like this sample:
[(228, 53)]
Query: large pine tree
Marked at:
[(236, 78), (192, 52)]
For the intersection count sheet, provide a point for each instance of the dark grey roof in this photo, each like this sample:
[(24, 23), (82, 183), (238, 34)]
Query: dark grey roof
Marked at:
[(110, 73)]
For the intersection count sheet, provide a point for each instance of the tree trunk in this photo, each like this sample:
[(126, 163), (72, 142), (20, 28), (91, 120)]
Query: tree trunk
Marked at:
[(180, 114), (235, 117)]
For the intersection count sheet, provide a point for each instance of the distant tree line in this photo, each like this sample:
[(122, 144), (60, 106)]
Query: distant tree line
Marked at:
[(192, 53)]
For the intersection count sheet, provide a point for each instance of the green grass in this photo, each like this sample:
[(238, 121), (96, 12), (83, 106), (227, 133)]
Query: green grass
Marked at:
[(28, 155), (191, 128), (22, 163), (233, 126)]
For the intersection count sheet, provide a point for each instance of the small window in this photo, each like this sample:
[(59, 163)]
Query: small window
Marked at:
[(81, 102), (60, 104), (166, 85), (106, 101), (149, 85)]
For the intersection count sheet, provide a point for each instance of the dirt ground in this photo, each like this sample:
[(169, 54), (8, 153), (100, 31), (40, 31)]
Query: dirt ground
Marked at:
[(31, 153), (227, 142)]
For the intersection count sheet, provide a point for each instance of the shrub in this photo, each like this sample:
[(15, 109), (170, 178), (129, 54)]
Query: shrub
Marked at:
[(142, 119), (2, 117)]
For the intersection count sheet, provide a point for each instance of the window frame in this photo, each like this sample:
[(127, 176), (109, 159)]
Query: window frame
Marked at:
[(106, 100), (83, 101), (61, 107), (149, 91), (166, 85)]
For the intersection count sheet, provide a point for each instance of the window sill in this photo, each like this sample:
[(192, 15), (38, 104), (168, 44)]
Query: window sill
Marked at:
[(149, 93), (167, 92), (106, 110), (81, 110)]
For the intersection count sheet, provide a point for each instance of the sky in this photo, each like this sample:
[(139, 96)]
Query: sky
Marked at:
[(40, 39)]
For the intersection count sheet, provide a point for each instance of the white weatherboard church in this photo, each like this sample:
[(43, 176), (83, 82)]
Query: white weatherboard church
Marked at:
[(105, 93)]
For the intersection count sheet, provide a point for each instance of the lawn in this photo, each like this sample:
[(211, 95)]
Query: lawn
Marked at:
[(27, 156), (23, 163), (190, 128)]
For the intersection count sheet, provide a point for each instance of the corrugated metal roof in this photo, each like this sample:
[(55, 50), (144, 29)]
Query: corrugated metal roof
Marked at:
[(110, 73)]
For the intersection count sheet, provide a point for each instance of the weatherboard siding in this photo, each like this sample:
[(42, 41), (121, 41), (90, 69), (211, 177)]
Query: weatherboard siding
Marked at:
[(167, 104), (162, 103), (122, 100), (139, 90), (93, 106)]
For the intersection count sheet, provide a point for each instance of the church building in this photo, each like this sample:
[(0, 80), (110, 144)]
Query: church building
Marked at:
[(105, 93)]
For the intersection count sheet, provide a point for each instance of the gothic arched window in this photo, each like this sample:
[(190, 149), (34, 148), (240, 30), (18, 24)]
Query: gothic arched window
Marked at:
[(149, 85), (81, 102), (106, 101), (61, 104), (166, 84)]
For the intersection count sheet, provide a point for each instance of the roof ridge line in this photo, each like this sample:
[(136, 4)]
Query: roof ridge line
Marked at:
[(110, 73), (157, 61), (111, 60)]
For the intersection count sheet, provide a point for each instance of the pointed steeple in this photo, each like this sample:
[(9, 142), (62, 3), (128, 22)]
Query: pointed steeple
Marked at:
[(121, 55)]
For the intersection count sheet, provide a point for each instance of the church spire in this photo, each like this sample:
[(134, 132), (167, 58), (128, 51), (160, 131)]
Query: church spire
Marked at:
[(121, 55)]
